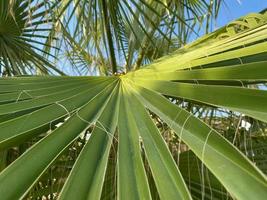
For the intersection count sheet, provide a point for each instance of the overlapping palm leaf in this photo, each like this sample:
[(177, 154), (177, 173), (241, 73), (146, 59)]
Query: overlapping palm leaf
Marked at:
[(24, 32), (136, 31), (217, 72)]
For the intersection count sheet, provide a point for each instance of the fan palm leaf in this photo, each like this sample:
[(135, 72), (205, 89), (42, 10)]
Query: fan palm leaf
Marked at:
[(24, 28), (215, 70), (127, 31)]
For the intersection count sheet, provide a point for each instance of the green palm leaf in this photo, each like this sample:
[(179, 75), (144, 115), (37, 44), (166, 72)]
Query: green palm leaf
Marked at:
[(24, 30), (117, 112)]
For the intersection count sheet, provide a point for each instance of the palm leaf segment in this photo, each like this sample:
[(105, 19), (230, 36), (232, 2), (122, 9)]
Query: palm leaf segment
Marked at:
[(211, 71), (24, 37)]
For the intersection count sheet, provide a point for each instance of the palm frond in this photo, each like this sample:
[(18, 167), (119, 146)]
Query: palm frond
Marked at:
[(117, 114), (127, 31), (24, 28)]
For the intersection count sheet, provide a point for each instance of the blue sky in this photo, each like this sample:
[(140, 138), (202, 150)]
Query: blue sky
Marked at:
[(238, 8)]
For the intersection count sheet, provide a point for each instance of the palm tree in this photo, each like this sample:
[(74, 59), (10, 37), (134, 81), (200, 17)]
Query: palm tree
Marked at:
[(114, 35), (113, 124)]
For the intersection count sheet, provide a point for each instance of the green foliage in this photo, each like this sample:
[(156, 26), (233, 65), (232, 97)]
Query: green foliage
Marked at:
[(24, 37), (123, 153), (114, 36)]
